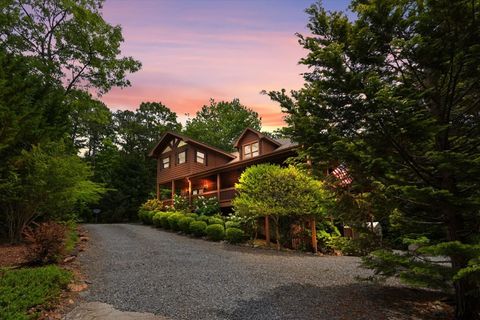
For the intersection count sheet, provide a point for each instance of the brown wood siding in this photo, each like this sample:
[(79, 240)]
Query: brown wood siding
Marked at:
[(190, 166), (267, 147)]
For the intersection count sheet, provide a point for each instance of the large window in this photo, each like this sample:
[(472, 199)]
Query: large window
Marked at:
[(250, 150), (181, 157), (200, 157), (166, 163)]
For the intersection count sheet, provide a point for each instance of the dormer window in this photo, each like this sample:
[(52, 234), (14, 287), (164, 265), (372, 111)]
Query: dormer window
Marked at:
[(200, 157), (181, 157), (250, 150), (166, 163)]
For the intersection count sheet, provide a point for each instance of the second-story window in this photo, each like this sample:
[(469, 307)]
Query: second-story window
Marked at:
[(166, 163), (200, 157), (181, 157), (250, 150)]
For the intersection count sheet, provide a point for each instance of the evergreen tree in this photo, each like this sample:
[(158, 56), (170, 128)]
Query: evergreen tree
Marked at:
[(394, 95)]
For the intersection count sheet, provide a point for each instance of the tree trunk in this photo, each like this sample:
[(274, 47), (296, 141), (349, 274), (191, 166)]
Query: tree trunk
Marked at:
[(277, 231), (267, 230)]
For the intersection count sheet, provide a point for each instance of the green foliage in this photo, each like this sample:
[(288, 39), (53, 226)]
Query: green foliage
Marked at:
[(157, 219), (164, 220), (152, 205), (92, 54), (269, 190), (215, 232), (23, 289), (234, 235), (71, 239), (180, 203), (203, 218), (173, 221), (184, 224), (393, 96), (197, 228), (192, 215), (220, 123), (206, 206), (215, 220), (232, 224), (47, 182)]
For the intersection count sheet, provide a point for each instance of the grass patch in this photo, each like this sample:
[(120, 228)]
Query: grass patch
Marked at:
[(71, 238), (23, 289)]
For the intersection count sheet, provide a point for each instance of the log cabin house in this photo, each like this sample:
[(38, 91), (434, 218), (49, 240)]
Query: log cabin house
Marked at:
[(191, 168)]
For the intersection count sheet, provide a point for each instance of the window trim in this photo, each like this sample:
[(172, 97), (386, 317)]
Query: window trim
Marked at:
[(251, 153), (178, 157), (168, 162), (204, 162)]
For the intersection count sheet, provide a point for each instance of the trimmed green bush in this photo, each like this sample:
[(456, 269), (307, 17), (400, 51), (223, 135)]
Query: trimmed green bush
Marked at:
[(149, 217), (215, 232), (234, 235), (197, 228), (215, 220), (184, 224), (203, 218), (192, 215), (232, 224), (157, 219), (164, 220), (173, 221)]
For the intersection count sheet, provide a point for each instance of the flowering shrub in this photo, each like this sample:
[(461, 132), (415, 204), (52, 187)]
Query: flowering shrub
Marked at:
[(206, 206), (180, 203)]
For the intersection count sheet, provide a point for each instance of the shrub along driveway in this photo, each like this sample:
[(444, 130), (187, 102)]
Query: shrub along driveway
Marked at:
[(139, 268)]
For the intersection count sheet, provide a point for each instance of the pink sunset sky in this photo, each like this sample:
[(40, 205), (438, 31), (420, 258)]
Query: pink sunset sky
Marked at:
[(194, 50)]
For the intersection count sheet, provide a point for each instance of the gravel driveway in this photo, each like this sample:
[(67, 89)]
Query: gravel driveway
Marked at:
[(139, 268)]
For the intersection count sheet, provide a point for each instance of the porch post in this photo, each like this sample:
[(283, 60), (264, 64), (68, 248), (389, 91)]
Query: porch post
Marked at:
[(173, 189), (218, 187), (158, 191), (267, 231), (313, 227), (189, 191)]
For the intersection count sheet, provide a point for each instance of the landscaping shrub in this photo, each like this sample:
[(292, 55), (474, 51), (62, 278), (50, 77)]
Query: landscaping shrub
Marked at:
[(215, 220), (46, 242), (173, 221), (152, 205), (232, 224), (234, 235), (206, 206), (215, 232), (203, 218), (157, 219), (184, 224), (181, 203), (164, 220), (197, 228), (192, 215), (362, 246), (23, 289)]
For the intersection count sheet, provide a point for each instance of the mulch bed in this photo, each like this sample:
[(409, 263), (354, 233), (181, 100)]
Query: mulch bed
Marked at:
[(12, 255)]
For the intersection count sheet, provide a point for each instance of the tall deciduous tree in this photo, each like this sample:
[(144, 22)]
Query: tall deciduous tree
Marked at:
[(220, 123), (395, 96), (70, 40)]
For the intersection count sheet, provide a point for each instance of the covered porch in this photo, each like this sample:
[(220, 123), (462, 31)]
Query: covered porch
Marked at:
[(219, 185)]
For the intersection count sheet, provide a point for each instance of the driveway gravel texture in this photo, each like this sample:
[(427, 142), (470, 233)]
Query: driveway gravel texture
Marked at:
[(143, 269)]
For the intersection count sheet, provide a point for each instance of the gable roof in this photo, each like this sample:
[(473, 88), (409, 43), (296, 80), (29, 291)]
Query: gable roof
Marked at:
[(259, 134), (169, 134)]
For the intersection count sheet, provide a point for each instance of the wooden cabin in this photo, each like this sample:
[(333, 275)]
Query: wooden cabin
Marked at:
[(191, 168)]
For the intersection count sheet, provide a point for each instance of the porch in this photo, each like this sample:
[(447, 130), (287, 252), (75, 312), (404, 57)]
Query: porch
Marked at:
[(220, 186)]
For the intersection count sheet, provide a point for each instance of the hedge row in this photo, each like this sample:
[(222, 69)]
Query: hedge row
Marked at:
[(213, 227)]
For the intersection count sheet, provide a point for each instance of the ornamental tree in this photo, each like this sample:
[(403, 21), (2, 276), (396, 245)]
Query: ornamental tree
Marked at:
[(270, 190), (394, 95)]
